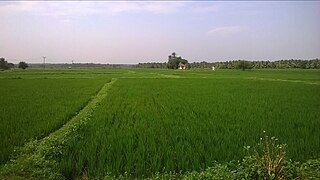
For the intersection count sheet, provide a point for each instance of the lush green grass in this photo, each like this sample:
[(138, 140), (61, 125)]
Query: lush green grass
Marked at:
[(33, 108), (62, 73), (148, 125), (154, 120)]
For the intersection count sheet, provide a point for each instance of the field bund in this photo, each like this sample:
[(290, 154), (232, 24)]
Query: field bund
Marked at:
[(145, 122), (40, 155)]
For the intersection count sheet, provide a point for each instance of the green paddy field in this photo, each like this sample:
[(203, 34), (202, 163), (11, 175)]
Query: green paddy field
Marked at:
[(139, 123)]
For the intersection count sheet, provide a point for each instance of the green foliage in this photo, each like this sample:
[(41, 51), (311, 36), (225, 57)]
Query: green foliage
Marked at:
[(270, 158), (167, 124), (253, 166), (242, 64), (33, 108), (267, 160), (149, 125), (239, 64), (173, 61), (152, 65), (310, 169), (23, 65), (250, 167), (38, 159), (4, 65)]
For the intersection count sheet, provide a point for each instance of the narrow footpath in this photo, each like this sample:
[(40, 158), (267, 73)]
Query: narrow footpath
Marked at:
[(37, 159)]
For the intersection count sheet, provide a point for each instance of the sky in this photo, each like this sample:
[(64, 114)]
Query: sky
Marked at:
[(149, 31)]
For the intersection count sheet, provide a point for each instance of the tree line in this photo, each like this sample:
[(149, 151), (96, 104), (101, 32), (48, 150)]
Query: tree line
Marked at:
[(4, 65), (240, 64), (173, 63)]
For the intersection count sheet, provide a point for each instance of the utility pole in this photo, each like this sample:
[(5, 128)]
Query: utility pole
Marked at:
[(44, 62)]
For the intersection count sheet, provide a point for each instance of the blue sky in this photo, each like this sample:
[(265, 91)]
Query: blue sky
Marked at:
[(132, 32)]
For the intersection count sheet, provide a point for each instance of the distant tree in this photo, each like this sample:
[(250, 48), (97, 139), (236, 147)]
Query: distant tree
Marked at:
[(23, 65), (151, 65), (303, 64), (10, 65), (4, 64), (242, 64), (173, 61)]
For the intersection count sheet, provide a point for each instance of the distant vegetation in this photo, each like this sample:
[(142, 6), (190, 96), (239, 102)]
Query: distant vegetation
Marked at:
[(4, 65), (79, 65), (243, 64), (174, 61), (23, 65)]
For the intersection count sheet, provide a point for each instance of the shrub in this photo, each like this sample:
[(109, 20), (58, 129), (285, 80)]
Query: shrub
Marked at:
[(23, 65), (268, 161)]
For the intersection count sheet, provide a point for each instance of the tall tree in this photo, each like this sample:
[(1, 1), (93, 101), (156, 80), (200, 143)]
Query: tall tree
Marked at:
[(3, 64), (173, 61)]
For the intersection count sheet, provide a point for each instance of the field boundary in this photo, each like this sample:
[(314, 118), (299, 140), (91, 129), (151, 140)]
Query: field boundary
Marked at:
[(37, 158), (283, 80)]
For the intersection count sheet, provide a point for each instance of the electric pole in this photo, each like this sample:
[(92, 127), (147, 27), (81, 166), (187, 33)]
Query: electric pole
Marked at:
[(44, 62)]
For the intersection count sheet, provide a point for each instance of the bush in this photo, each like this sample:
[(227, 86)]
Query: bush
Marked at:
[(310, 169), (23, 65)]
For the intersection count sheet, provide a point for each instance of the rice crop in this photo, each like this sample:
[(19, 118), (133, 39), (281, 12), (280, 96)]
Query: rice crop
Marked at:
[(149, 125), (33, 108)]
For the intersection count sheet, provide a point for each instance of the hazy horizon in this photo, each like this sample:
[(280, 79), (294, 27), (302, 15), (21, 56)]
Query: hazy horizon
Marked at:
[(132, 32)]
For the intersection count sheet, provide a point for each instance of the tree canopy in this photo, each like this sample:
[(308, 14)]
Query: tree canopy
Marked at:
[(4, 65), (23, 65), (173, 61), (244, 65), (236, 64)]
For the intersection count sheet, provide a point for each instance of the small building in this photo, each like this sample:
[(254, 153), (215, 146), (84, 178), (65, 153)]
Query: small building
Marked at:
[(181, 66)]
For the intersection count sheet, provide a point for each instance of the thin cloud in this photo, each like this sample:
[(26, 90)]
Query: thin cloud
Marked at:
[(163, 7), (18, 7), (53, 9), (70, 9), (225, 30)]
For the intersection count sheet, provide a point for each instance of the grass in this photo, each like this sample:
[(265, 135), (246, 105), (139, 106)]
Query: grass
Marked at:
[(146, 126), (33, 108), (165, 121)]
